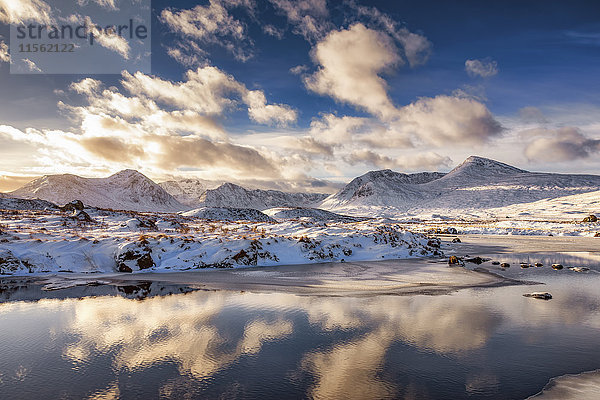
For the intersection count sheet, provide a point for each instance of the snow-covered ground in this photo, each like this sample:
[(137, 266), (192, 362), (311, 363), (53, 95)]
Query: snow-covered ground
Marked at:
[(40, 241)]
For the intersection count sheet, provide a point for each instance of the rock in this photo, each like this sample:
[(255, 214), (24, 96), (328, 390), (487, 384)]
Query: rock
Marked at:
[(456, 240), (525, 265), (477, 260), (539, 295), (597, 234), (124, 268), (75, 205), (557, 266), (9, 263), (82, 216), (495, 262), (451, 231), (505, 265), (453, 260), (135, 258), (539, 264), (590, 218), (579, 269)]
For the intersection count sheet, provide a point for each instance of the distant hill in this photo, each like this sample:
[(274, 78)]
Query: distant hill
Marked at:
[(477, 183), (125, 190)]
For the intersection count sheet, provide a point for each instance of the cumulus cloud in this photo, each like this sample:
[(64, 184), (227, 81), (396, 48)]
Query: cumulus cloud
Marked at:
[(484, 68), (416, 47), (562, 144), (419, 160), (209, 90), (18, 12), (336, 130), (210, 24), (4, 55), (309, 17), (448, 120), (350, 61)]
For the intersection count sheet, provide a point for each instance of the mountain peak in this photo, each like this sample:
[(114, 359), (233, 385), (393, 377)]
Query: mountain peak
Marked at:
[(127, 173), (479, 164)]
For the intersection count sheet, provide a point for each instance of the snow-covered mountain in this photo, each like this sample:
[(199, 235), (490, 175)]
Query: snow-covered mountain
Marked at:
[(477, 183), (188, 191), (231, 195), (228, 214), (573, 207), (125, 190), (309, 214)]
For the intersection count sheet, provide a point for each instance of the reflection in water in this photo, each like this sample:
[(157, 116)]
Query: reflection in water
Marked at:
[(326, 347)]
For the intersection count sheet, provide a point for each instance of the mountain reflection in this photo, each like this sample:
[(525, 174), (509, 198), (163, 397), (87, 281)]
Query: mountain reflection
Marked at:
[(349, 340)]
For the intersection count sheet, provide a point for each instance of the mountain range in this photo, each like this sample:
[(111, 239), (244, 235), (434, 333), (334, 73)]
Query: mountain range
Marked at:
[(476, 184)]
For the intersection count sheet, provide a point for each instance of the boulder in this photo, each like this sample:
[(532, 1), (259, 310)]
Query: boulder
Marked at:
[(505, 265), (590, 218), (539, 295), (9, 264), (75, 205), (477, 260), (82, 216), (456, 240), (134, 258), (539, 264), (557, 266), (579, 269), (453, 260)]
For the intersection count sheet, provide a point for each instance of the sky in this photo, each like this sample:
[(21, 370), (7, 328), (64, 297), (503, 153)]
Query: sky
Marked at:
[(306, 95)]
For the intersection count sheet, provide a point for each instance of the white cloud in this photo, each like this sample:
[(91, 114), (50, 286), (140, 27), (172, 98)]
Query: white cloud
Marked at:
[(309, 17), (210, 24), (31, 66), (109, 41), (484, 68), (416, 47), (443, 120), (20, 11), (209, 90), (4, 55), (273, 31), (425, 160), (350, 61), (562, 144)]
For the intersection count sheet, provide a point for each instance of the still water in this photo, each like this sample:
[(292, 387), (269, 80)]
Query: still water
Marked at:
[(472, 343)]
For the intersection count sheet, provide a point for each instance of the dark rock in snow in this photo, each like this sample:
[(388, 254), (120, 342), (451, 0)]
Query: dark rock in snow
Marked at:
[(539, 295)]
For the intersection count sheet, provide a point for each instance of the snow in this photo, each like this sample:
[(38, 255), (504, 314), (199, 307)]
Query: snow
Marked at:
[(50, 241), (228, 214), (196, 193), (382, 214), (477, 184), (125, 190), (308, 214), (188, 191)]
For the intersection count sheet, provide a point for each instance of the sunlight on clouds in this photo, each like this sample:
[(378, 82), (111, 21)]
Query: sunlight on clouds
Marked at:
[(20, 11), (211, 24), (562, 144), (4, 55), (350, 62)]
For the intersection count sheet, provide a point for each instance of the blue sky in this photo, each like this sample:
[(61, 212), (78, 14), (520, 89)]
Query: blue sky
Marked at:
[(311, 93)]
